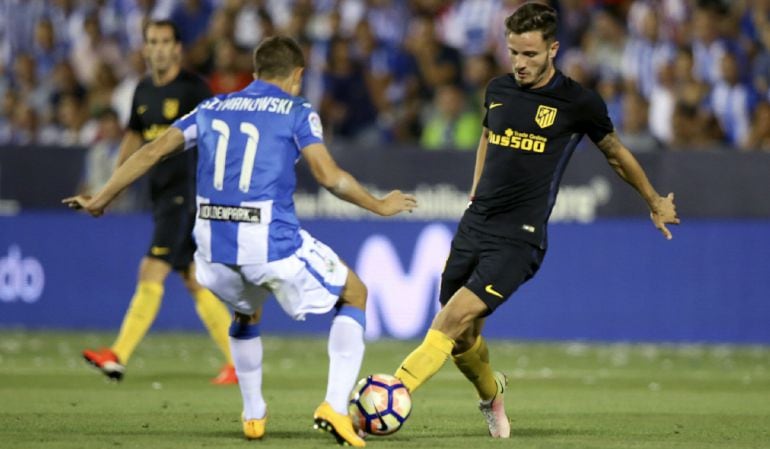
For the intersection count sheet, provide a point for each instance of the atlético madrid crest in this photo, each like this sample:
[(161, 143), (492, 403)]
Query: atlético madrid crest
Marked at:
[(545, 116), (171, 108)]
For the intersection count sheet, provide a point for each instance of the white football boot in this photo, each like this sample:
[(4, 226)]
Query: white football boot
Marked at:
[(494, 410)]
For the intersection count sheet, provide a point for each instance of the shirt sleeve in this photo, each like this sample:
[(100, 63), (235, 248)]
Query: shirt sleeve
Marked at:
[(188, 124), (486, 108), (596, 122), (134, 121), (307, 128)]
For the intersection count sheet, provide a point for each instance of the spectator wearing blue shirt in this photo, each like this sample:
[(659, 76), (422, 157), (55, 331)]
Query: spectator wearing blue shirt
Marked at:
[(709, 43), (17, 26), (388, 19), (46, 50), (31, 90), (437, 63), (347, 105), (393, 79), (645, 54), (732, 102), (192, 17), (470, 26)]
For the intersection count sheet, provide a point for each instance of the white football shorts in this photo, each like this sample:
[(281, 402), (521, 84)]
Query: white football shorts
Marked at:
[(308, 281)]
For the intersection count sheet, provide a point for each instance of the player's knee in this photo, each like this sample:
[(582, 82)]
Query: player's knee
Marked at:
[(453, 317), (454, 321), (355, 292), (191, 285), (363, 293), (357, 296), (153, 270), (190, 282)]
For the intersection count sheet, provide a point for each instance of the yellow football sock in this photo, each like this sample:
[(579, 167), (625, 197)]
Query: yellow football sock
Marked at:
[(425, 360), (474, 364), (216, 318), (139, 317)]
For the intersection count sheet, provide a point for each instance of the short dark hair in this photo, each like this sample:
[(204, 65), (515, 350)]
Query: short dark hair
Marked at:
[(533, 17), (161, 23), (277, 56)]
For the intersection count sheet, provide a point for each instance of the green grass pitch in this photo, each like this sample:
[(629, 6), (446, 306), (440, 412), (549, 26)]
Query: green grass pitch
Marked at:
[(562, 395)]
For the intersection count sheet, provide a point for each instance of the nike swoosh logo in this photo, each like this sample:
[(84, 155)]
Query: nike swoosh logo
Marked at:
[(494, 105), (383, 426), (403, 368), (159, 250), (492, 291)]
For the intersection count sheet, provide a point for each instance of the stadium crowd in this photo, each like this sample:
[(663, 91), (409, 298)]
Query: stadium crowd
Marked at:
[(675, 74)]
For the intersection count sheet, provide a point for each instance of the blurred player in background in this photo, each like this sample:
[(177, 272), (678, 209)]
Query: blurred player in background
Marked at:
[(534, 120), (250, 243), (165, 95)]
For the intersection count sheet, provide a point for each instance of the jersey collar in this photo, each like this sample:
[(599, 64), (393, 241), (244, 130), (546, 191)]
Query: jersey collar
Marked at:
[(555, 81), (261, 87)]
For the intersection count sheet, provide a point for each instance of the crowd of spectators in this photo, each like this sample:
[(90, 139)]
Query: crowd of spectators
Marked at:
[(676, 74)]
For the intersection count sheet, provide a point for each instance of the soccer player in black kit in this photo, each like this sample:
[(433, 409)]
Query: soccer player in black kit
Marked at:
[(535, 117), (161, 98)]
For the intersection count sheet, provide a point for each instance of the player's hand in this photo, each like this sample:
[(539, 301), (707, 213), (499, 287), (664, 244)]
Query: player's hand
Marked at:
[(396, 202), (84, 202), (663, 212)]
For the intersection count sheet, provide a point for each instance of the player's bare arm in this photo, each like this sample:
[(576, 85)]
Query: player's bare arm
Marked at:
[(481, 155), (344, 186), (136, 165), (662, 209), (130, 143)]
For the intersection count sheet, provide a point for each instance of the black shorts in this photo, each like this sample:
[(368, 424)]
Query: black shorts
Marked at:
[(492, 267), (172, 241)]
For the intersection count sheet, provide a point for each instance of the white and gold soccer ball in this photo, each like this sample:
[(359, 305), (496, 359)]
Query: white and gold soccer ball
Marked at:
[(379, 405)]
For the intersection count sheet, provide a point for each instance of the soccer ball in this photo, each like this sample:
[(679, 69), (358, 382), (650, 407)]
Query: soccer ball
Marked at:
[(379, 405)]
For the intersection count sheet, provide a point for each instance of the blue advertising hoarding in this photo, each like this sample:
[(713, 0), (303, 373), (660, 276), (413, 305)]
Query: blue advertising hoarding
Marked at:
[(611, 280)]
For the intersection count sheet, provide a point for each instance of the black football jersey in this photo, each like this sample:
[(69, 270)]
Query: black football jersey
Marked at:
[(153, 110), (532, 134)]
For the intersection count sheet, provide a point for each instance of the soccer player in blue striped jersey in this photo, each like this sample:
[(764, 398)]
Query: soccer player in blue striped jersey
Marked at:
[(250, 243)]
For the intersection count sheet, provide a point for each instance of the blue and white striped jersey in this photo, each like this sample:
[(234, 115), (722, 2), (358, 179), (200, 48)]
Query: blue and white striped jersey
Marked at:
[(248, 142)]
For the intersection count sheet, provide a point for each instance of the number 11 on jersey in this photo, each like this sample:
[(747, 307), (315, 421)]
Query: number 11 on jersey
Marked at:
[(249, 154)]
